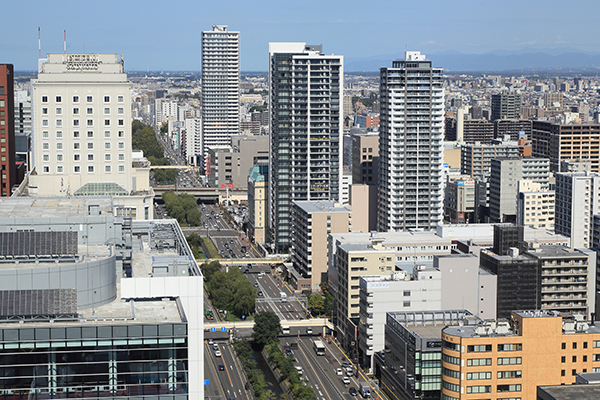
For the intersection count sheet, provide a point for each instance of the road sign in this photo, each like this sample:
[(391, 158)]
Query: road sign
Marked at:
[(223, 329), (212, 329), (207, 381)]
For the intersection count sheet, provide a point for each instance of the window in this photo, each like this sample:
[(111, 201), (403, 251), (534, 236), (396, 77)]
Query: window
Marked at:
[(76, 110), (46, 158), (121, 122), (107, 145), (106, 110), (573, 372), (121, 134), (76, 157), (584, 358), (450, 386), (564, 346), (44, 122), (585, 345), (509, 374), (59, 122), (508, 388), (121, 157), (574, 359), (45, 134), (90, 145), (46, 169), (59, 146), (562, 372), (119, 99), (510, 347), (90, 134), (473, 362), (107, 122), (75, 134), (59, 157), (59, 169), (120, 110), (44, 99), (75, 122), (77, 169), (89, 99), (90, 168), (90, 111), (451, 360), (58, 110), (45, 146), (509, 361), (406, 304), (106, 134), (58, 99), (59, 134), (107, 157), (449, 345), (107, 99), (90, 157), (90, 122), (75, 99), (121, 145), (596, 343), (479, 375), (479, 389), (406, 293), (121, 168), (107, 168), (44, 110), (563, 359), (451, 373), (574, 345), (480, 348)]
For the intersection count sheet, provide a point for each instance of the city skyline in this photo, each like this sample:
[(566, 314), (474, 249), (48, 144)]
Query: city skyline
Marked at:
[(171, 39)]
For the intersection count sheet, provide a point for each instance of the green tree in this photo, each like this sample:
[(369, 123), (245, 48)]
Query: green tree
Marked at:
[(165, 176), (164, 128), (266, 328), (316, 303), (208, 269)]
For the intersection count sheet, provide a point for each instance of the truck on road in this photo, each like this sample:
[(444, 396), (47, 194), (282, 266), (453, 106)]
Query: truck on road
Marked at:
[(365, 390), (283, 296)]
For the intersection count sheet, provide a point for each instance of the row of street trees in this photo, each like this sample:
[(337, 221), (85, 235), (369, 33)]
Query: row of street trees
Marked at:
[(182, 207), (229, 290)]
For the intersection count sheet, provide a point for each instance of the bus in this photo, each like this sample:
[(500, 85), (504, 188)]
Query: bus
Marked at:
[(319, 347)]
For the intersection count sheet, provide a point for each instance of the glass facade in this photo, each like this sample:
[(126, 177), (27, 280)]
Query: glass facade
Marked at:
[(94, 361)]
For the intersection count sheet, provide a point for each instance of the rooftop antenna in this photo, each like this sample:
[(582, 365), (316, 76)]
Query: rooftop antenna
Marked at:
[(39, 44), (65, 40)]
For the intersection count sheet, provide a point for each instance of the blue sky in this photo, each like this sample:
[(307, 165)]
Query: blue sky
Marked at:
[(165, 35)]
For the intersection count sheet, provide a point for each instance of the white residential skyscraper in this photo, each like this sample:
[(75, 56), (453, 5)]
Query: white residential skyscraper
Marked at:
[(305, 150), (410, 145), (220, 87)]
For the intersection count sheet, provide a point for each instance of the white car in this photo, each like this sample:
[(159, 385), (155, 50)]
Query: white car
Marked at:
[(346, 380), (217, 353), (339, 371)]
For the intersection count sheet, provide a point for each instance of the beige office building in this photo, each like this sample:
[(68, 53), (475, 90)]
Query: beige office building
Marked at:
[(257, 202), (535, 207), (312, 221), (82, 124)]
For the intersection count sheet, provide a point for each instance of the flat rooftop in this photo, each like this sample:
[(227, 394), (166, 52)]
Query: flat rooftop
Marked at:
[(321, 207), (569, 392), (119, 312), (53, 207)]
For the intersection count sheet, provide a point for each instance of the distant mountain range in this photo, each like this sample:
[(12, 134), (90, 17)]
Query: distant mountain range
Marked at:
[(496, 61)]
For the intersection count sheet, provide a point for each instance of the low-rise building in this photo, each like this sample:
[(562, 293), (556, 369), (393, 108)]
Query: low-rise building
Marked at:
[(510, 359)]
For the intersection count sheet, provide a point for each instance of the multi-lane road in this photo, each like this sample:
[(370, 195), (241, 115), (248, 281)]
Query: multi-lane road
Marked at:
[(228, 376)]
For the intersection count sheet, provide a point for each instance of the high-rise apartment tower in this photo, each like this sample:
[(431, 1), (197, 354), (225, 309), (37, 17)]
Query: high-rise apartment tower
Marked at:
[(220, 87), (305, 107), (411, 144)]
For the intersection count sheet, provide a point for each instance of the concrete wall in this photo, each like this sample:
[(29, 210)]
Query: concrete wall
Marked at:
[(95, 280)]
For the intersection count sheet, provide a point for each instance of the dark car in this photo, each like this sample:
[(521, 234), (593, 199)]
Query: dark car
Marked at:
[(353, 391), (246, 270), (221, 367)]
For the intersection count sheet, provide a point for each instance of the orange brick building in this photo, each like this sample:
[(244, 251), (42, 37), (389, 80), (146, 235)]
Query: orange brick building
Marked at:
[(508, 361), (7, 130)]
